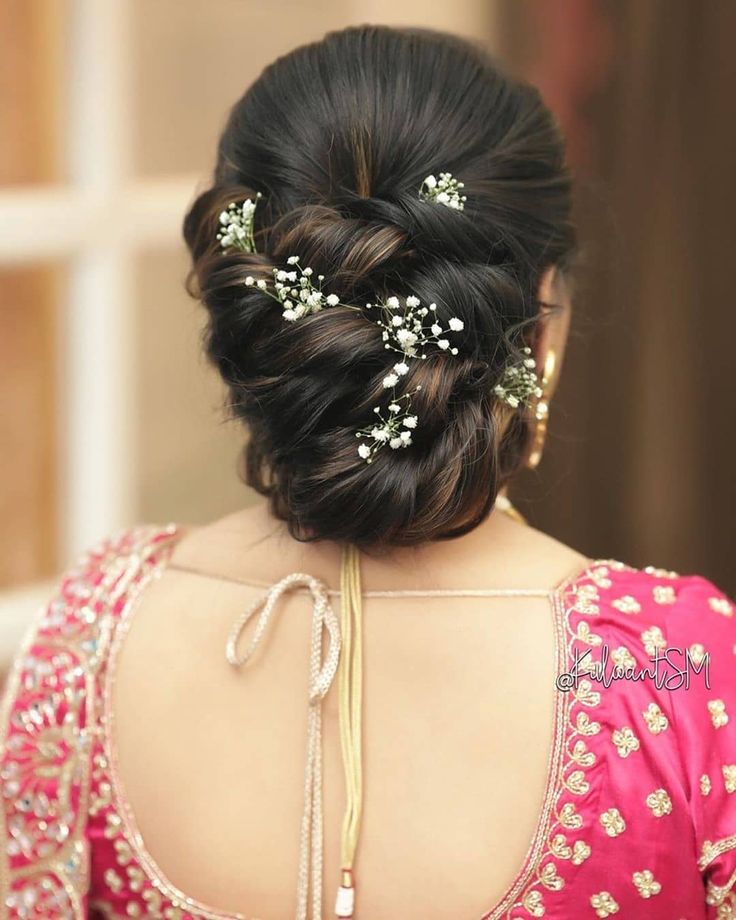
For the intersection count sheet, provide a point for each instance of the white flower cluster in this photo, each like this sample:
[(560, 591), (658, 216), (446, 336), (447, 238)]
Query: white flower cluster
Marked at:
[(519, 382), (237, 225), (295, 291), (404, 331), (444, 190), (393, 429)]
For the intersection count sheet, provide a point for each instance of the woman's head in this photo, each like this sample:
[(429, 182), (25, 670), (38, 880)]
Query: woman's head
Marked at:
[(337, 137)]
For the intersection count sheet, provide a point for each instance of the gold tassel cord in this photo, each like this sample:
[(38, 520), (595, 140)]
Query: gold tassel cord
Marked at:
[(350, 686)]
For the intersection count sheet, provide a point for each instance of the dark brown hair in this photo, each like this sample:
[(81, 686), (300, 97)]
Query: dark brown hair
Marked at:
[(337, 137)]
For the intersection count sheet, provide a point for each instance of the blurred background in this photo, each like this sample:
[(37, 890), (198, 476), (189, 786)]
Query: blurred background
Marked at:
[(109, 115)]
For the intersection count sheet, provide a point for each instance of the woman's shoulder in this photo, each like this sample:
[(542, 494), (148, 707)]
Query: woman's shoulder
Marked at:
[(654, 611), (625, 590), (654, 653)]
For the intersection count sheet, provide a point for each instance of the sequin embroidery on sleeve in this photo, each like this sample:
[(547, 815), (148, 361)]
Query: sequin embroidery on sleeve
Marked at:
[(47, 732)]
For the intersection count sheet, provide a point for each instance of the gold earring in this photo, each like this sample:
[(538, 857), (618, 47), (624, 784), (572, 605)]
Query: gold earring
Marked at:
[(541, 412)]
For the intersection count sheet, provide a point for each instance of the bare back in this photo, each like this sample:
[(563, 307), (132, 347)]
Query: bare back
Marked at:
[(458, 720)]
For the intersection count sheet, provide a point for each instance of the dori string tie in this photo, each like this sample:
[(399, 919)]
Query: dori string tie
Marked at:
[(321, 674)]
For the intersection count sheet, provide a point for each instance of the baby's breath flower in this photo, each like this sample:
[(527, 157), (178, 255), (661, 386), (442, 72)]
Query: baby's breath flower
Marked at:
[(296, 291), (403, 330), (444, 190), (519, 382), (237, 225), (394, 430)]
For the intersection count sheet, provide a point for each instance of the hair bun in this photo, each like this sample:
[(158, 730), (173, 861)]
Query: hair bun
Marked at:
[(339, 153)]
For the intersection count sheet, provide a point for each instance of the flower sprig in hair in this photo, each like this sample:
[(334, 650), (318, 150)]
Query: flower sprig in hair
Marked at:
[(405, 331), (296, 291), (237, 225), (444, 190), (519, 382), (394, 428)]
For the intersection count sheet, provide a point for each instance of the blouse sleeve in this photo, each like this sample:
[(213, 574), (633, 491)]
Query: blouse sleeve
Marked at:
[(45, 736), (703, 625)]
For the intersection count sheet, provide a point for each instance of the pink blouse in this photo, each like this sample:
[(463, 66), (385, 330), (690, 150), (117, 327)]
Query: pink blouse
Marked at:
[(639, 814)]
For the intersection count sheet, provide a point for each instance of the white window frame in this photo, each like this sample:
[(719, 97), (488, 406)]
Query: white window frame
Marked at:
[(94, 224)]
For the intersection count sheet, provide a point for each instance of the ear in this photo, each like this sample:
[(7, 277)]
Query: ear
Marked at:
[(554, 325)]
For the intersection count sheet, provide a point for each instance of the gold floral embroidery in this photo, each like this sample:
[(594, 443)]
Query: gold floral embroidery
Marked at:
[(721, 605), (600, 576), (559, 847), (660, 573), (579, 597), (48, 730), (656, 720), (718, 714), (576, 783), (722, 897), (580, 852), (585, 635), (603, 904), (581, 755), (569, 818), (646, 884), (660, 803), (577, 853), (705, 784), (697, 652), (664, 594), (623, 658), (586, 695), (613, 822), (626, 604), (586, 600), (729, 777), (585, 726), (550, 879), (710, 850), (589, 665), (533, 903), (653, 640), (113, 881), (625, 741)]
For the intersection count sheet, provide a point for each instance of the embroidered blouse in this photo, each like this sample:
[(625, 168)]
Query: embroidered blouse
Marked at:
[(639, 813)]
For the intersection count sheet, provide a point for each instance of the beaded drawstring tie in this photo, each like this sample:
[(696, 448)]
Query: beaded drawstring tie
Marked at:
[(349, 634), (321, 674)]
